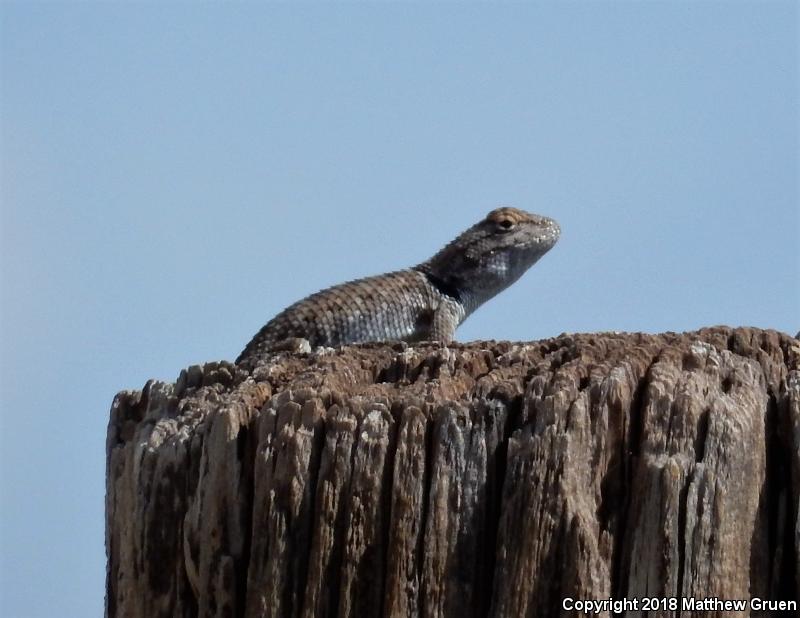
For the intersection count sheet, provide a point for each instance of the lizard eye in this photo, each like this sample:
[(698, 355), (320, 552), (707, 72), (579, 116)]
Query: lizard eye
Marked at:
[(505, 224)]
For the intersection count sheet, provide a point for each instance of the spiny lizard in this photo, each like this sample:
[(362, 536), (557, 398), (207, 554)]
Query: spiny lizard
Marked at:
[(423, 303)]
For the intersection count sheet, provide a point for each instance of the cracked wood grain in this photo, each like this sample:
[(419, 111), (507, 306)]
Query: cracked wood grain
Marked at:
[(484, 479)]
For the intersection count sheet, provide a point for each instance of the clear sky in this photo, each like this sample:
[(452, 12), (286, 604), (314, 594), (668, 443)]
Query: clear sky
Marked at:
[(173, 175)]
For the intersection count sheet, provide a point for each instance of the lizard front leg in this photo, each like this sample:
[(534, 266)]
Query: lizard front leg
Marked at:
[(446, 318)]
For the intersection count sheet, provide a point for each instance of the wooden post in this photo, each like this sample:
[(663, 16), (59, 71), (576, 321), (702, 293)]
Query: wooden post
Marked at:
[(484, 479)]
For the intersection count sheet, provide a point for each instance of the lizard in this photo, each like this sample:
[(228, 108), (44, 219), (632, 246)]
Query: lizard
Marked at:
[(426, 302)]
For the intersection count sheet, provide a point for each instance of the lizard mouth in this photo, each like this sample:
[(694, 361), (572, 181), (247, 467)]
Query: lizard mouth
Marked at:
[(547, 234)]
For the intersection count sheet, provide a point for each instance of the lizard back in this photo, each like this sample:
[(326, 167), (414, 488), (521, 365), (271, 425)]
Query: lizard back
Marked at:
[(397, 305)]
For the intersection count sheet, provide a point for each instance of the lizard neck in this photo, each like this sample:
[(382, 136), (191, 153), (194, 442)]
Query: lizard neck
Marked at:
[(442, 285), (472, 280), (454, 287)]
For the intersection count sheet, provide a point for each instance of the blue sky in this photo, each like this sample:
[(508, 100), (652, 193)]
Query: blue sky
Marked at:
[(173, 175)]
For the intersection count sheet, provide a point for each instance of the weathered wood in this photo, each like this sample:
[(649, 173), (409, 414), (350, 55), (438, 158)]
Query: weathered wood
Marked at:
[(485, 479)]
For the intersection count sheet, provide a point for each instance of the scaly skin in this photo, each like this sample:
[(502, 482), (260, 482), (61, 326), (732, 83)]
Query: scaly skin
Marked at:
[(424, 303)]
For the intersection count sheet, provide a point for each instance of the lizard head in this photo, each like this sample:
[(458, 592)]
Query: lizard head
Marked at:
[(492, 254)]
